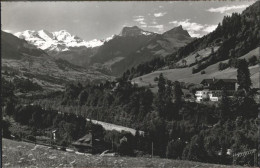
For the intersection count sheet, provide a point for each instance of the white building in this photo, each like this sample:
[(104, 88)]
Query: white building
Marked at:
[(214, 87), (206, 95)]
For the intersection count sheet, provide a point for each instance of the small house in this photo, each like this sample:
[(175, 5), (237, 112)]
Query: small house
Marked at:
[(84, 144), (88, 144)]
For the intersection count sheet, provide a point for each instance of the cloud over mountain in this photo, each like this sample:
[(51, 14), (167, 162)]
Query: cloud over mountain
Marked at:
[(140, 20), (159, 28), (160, 14), (194, 29), (224, 9)]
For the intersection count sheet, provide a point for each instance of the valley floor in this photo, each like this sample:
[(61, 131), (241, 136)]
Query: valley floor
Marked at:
[(23, 154)]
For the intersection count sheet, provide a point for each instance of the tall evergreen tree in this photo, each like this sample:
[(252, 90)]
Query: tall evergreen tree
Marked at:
[(169, 110), (161, 96), (243, 75), (168, 90), (224, 105), (161, 85), (177, 92)]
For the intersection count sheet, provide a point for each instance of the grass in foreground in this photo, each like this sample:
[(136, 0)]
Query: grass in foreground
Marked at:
[(22, 154)]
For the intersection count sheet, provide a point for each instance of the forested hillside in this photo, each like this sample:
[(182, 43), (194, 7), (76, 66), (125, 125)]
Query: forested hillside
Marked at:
[(235, 36), (177, 128)]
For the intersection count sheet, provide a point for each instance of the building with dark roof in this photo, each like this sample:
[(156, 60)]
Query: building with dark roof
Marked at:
[(84, 144), (218, 84), (89, 144), (212, 89)]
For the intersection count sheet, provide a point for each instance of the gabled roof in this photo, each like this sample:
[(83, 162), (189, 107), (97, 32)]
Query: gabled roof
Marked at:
[(84, 141), (229, 80), (214, 81)]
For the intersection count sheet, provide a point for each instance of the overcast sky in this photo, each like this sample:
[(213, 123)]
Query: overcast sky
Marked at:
[(90, 20)]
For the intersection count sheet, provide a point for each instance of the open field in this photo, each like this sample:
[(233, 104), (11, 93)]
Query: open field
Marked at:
[(22, 154), (185, 74)]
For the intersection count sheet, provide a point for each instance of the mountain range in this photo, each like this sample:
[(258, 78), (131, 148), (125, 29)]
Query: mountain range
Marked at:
[(62, 44), (112, 55), (157, 46), (24, 60), (59, 57)]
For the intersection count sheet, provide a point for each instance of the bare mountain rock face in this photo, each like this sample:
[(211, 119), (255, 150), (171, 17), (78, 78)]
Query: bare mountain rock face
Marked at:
[(159, 45), (133, 31)]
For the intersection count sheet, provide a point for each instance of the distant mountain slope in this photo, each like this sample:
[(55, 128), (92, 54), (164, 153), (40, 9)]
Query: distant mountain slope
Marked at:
[(129, 40), (62, 44), (12, 47), (160, 45), (114, 55), (134, 46), (31, 62)]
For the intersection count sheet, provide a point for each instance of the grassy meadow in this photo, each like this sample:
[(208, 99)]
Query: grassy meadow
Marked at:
[(185, 74), (23, 154)]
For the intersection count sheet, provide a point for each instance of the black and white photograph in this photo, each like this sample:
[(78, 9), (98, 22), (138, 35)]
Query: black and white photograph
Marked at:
[(130, 84)]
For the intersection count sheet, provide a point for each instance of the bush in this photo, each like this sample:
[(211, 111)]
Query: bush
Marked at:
[(31, 138), (195, 150), (222, 66), (200, 66), (202, 72), (5, 128), (252, 60), (125, 148), (233, 62), (194, 88), (188, 95), (193, 70), (63, 144), (174, 149)]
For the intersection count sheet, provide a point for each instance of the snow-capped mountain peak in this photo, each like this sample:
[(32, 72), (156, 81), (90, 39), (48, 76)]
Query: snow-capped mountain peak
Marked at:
[(45, 35), (57, 41), (94, 43), (63, 35), (110, 38)]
